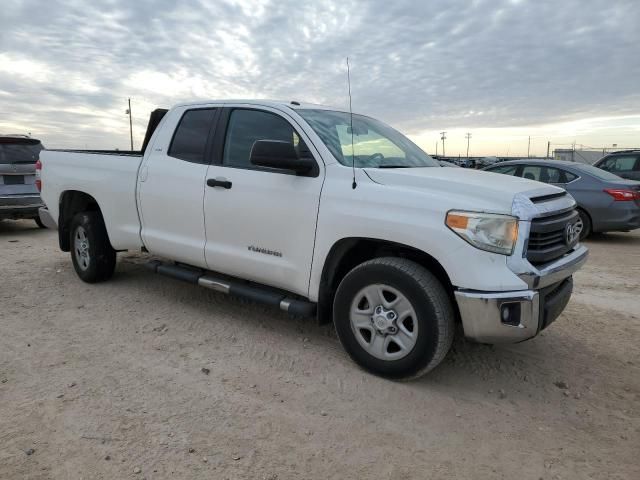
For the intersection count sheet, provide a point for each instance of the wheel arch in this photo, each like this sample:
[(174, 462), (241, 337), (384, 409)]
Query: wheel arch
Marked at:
[(588, 214), (71, 203), (349, 252)]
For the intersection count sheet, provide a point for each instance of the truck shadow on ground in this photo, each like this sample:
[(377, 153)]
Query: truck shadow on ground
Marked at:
[(19, 228), (475, 369), (613, 238)]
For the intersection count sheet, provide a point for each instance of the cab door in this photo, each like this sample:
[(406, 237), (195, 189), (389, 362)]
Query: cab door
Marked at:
[(171, 185), (260, 222)]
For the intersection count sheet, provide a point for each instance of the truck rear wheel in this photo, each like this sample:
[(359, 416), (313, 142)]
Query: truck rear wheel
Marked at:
[(394, 318), (94, 259)]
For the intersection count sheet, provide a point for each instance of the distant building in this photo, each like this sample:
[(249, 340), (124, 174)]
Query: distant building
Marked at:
[(581, 156)]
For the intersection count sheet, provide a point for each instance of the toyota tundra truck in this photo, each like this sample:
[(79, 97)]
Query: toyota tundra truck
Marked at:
[(323, 213)]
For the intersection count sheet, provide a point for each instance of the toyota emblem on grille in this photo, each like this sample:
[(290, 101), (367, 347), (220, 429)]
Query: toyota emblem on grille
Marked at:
[(570, 234)]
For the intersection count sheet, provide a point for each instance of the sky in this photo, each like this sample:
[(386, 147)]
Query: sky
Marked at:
[(503, 70)]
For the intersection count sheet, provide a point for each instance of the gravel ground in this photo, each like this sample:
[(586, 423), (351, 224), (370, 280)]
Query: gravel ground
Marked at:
[(147, 377)]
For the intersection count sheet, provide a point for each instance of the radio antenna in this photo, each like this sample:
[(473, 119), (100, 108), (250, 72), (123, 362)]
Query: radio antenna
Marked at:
[(353, 155)]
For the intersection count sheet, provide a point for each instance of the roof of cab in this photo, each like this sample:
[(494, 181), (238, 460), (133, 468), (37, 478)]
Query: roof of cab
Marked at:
[(292, 104)]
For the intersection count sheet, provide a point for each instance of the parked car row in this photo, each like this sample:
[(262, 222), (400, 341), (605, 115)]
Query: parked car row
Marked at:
[(606, 202), (19, 197)]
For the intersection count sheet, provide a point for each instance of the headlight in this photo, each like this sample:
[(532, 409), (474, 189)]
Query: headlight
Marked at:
[(486, 231)]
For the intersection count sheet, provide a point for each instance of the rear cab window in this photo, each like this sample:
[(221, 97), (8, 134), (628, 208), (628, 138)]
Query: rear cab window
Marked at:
[(190, 139)]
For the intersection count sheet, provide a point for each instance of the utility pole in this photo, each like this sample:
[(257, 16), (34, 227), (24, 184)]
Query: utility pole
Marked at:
[(548, 147), (529, 147), (468, 137), (436, 149), (443, 137), (130, 124)]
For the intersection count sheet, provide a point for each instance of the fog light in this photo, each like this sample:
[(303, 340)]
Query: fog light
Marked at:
[(510, 314)]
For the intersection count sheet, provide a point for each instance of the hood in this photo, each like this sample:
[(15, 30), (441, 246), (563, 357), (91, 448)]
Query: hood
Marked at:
[(486, 191)]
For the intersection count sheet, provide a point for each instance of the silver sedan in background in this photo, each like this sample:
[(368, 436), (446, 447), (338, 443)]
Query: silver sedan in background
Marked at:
[(606, 202)]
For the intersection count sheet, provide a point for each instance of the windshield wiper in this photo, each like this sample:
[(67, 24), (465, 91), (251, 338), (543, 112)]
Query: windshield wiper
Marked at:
[(394, 166)]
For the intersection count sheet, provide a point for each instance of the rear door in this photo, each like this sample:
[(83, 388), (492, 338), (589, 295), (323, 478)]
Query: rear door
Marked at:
[(261, 223), (171, 185)]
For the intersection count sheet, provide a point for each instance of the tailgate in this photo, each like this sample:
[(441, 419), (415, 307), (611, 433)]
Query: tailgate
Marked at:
[(17, 179)]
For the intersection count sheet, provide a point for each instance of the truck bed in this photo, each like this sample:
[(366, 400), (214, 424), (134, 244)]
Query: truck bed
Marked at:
[(124, 153), (109, 177)]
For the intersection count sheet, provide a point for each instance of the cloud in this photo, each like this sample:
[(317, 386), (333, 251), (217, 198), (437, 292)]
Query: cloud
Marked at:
[(69, 66)]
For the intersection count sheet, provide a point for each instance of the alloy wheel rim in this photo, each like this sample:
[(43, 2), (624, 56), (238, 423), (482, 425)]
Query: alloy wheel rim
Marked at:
[(578, 226)]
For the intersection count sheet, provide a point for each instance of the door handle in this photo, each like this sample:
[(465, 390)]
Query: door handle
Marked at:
[(215, 182)]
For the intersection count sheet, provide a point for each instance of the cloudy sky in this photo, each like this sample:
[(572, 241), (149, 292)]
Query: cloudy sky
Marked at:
[(560, 71)]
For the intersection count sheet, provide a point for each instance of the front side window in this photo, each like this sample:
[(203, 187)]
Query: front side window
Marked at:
[(619, 164), (247, 127), (369, 143), (190, 140)]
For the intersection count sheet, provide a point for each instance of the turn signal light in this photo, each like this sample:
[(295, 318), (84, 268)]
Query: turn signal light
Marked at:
[(457, 221)]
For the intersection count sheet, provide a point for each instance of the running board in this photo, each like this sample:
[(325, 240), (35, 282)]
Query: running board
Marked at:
[(250, 291)]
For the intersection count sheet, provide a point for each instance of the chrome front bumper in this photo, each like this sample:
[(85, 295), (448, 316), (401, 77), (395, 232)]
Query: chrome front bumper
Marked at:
[(514, 316), (528, 311)]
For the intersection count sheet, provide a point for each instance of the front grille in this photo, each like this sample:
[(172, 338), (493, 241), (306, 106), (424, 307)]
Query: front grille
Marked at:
[(548, 239)]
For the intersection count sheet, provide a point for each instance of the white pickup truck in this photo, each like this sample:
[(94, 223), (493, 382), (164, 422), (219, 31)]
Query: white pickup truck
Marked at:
[(320, 213)]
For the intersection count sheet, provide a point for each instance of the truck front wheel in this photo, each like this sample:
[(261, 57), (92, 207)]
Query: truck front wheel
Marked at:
[(94, 259), (394, 318)]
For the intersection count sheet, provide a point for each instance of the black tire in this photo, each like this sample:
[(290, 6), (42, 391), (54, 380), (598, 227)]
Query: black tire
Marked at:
[(100, 261), (427, 296), (39, 222), (586, 224)]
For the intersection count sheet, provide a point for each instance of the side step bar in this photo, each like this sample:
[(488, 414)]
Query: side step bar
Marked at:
[(250, 291)]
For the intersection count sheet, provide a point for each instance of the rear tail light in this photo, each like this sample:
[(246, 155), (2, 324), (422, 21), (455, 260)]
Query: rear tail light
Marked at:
[(38, 170), (622, 195)]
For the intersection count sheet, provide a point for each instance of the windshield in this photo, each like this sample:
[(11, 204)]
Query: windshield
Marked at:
[(18, 150), (375, 144)]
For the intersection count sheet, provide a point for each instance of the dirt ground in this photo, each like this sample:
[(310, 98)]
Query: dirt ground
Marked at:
[(147, 377)]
